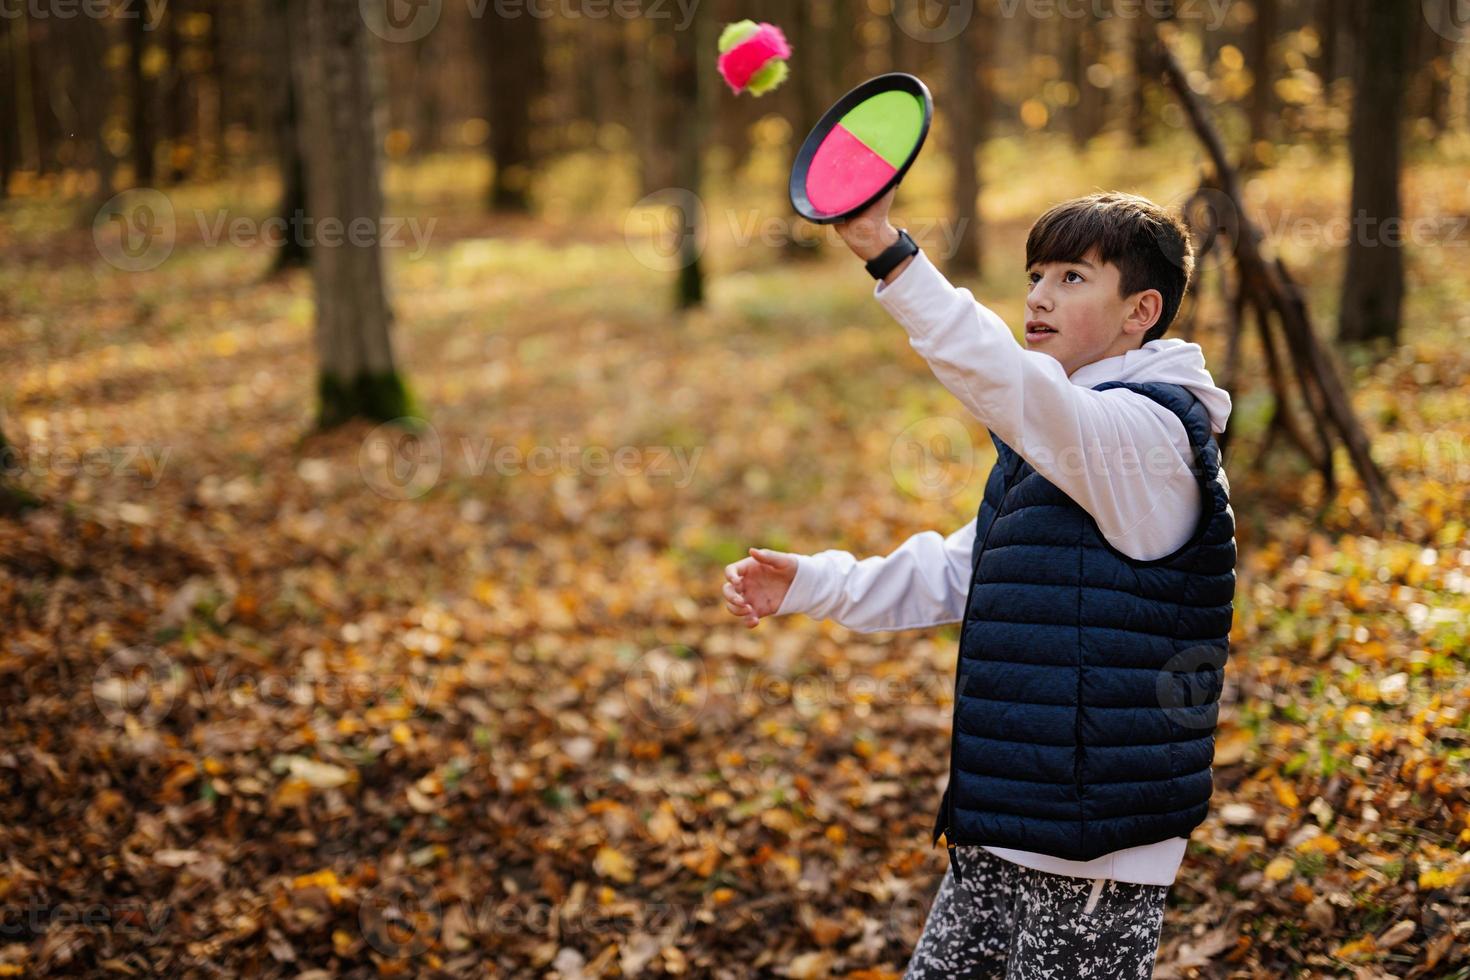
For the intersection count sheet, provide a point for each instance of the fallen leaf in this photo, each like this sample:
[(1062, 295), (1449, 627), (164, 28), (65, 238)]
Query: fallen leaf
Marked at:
[(611, 863)]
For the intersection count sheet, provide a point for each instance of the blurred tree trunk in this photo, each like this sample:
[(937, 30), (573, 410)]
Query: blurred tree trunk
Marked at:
[(683, 98), (900, 56), (805, 96), (9, 156), (140, 98), (966, 114), (655, 170), (339, 130), (1260, 57), (12, 498), (842, 48), (1067, 40), (811, 92), (22, 102), (1327, 31), (210, 90), (1088, 115), (1373, 284), (175, 112), (426, 94), (1433, 54), (48, 74), (7, 467), (514, 71), (88, 90), (292, 252), (1145, 70)]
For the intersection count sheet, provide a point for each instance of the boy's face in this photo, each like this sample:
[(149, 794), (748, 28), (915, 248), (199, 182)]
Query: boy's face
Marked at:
[(1080, 302)]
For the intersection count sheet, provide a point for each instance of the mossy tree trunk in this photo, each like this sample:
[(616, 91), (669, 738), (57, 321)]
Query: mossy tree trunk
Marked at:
[(339, 129), (12, 498)]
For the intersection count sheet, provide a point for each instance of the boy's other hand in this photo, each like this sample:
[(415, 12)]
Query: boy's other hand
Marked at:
[(755, 586), (869, 232)]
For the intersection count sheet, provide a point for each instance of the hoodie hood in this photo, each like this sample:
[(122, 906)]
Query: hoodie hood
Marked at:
[(1168, 359)]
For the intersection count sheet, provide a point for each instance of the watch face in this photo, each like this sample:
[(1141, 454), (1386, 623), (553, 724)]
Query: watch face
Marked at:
[(862, 147)]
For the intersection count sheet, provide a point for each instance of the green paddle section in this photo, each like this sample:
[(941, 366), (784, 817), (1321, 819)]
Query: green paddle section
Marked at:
[(888, 124)]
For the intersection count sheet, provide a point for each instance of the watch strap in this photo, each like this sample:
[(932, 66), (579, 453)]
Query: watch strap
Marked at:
[(888, 260)]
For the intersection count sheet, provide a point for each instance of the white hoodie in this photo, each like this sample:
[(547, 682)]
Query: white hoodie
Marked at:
[(1121, 456)]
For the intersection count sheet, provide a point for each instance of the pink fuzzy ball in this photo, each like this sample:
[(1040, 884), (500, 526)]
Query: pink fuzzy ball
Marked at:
[(753, 56)]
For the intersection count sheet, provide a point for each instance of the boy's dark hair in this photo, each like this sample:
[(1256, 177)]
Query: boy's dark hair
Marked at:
[(1150, 246)]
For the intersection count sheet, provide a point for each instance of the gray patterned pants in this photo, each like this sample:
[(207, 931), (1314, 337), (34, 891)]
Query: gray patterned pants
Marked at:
[(1006, 921)]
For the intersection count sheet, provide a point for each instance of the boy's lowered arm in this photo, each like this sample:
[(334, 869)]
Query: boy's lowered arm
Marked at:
[(920, 583), (1114, 452)]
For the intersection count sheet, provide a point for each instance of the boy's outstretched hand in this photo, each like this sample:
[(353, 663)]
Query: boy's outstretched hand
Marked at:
[(869, 232), (755, 586)]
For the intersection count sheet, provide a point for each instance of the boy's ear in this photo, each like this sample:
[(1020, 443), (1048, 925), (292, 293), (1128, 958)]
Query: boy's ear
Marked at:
[(1143, 312)]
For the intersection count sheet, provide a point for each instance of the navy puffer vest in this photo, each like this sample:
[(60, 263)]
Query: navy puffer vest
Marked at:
[(1088, 682)]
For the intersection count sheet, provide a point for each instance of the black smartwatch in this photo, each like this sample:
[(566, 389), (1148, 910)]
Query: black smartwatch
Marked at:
[(890, 257)]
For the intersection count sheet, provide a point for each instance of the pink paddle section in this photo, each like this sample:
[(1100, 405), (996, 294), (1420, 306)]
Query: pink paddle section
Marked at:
[(844, 173)]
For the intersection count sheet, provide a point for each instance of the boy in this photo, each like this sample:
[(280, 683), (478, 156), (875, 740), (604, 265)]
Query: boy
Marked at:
[(1094, 587)]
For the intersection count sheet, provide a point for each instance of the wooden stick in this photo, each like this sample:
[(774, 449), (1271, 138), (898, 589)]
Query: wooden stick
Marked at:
[(1271, 288)]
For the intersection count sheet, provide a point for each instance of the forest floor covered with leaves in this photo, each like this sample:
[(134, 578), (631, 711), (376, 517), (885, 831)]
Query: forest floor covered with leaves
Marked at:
[(290, 703)]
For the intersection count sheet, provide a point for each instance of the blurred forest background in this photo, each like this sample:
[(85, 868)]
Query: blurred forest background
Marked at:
[(384, 385)]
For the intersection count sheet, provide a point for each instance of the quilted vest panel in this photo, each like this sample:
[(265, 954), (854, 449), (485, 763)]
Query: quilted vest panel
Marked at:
[(1088, 682)]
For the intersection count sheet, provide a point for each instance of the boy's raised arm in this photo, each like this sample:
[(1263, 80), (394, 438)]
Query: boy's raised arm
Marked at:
[(1114, 452), (1111, 451), (920, 583)]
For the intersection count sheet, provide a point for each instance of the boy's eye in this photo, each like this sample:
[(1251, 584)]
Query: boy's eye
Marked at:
[(1034, 277)]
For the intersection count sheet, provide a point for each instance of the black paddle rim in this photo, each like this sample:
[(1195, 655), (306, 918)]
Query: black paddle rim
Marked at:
[(893, 81)]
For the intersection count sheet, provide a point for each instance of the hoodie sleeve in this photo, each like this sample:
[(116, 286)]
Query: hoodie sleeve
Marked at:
[(1122, 457), (921, 583)]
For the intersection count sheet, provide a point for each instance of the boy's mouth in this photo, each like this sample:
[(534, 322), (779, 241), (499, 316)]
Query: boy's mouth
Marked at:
[(1038, 330)]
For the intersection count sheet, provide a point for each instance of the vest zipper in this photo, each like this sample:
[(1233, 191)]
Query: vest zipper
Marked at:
[(959, 663)]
